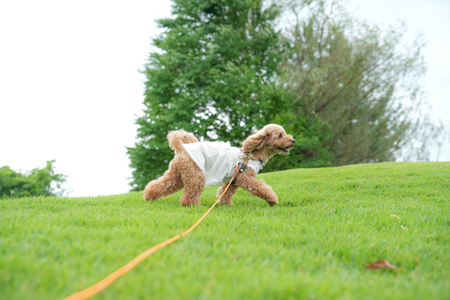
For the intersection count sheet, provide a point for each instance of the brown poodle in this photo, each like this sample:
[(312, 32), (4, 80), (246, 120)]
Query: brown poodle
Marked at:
[(200, 164)]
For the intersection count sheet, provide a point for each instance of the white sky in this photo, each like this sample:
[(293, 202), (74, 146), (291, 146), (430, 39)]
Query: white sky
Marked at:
[(70, 86)]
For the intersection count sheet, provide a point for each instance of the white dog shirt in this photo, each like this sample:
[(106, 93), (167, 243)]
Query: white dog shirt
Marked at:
[(217, 160)]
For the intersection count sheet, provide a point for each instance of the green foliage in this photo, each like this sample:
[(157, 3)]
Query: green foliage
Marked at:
[(37, 183), (362, 81), (314, 244), (212, 75), (348, 91)]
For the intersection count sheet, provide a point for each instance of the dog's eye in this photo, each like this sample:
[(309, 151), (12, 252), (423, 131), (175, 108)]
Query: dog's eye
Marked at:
[(280, 136)]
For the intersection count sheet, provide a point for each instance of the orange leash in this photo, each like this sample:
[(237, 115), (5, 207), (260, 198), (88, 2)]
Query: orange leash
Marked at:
[(93, 290)]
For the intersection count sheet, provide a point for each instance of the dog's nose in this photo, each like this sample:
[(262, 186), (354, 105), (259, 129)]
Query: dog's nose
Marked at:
[(293, 141)]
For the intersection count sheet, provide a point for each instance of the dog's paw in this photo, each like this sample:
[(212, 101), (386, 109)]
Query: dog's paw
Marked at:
[(150, 197), (189, 203), (272, 202)]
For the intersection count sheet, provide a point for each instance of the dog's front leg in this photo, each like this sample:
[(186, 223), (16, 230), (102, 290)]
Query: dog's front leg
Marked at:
[(256, 187), (228, 196)]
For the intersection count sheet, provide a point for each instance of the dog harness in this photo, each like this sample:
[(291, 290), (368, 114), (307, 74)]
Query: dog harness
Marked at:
[(241, 166), (218, 161)]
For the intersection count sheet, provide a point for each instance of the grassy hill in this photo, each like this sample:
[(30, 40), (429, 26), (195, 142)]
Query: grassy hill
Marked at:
[(314, 244)]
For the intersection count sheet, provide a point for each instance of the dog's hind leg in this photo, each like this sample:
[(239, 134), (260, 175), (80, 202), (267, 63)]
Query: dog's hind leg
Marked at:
[(164, 186), (227, 197), (194, 183)]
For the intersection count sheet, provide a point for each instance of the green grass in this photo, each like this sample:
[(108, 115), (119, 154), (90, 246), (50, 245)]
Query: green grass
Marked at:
[(314, 244)]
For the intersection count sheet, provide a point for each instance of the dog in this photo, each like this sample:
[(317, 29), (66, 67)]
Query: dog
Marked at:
[(197, 165)]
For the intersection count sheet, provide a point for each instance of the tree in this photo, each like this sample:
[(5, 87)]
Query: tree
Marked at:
[(37, 183), (361, 81), (213, 74)]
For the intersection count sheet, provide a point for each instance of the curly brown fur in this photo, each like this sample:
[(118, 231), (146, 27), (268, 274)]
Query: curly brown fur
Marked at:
[(183, 172), (270, 140), (178, 137)]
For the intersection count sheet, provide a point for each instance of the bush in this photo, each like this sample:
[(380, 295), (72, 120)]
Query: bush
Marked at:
[(37, 183)]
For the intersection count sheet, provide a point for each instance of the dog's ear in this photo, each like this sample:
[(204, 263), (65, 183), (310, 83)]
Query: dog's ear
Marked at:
[(255, 141)]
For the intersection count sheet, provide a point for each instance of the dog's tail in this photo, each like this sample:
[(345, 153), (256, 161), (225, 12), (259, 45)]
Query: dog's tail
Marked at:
[(178, 137)]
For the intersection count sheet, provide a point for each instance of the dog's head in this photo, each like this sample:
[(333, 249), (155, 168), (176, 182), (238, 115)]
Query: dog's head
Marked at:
[(271, 138)]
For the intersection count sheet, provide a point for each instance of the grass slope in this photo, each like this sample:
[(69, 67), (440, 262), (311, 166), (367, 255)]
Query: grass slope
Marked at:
[(314, 244)]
